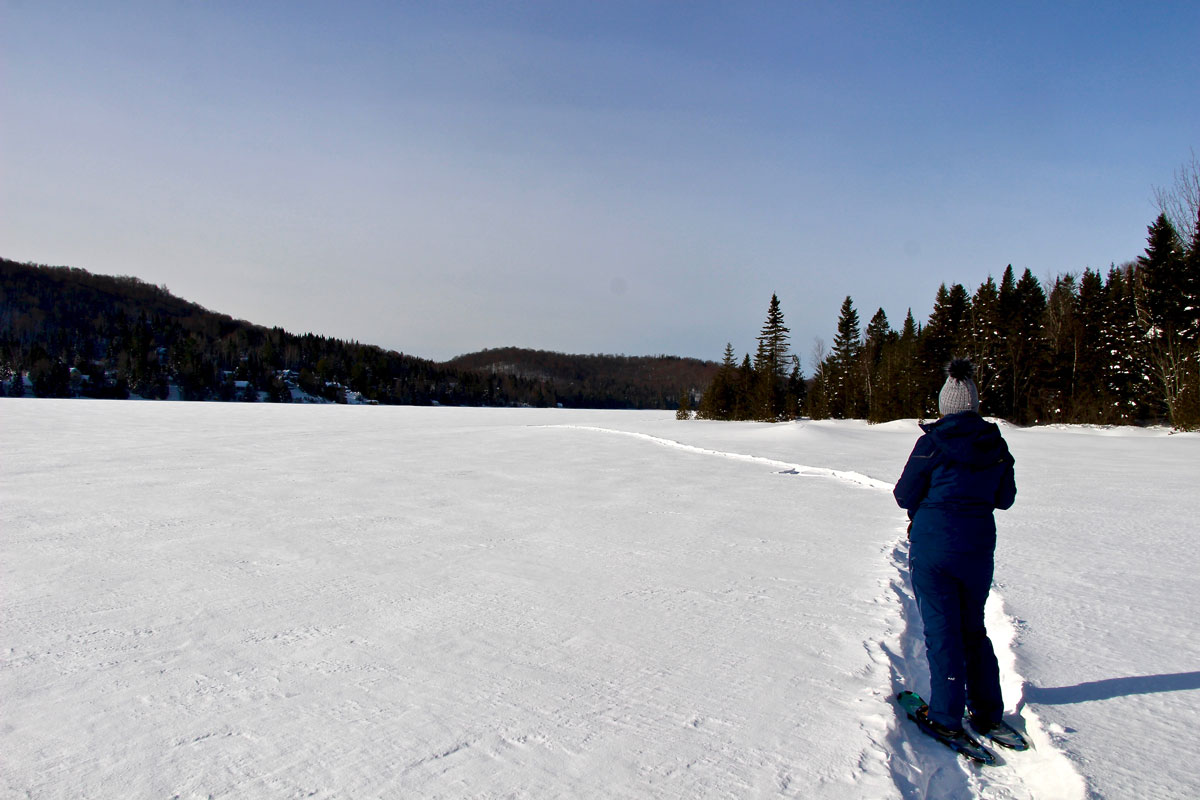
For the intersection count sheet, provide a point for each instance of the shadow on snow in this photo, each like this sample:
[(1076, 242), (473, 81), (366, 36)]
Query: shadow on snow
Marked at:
[(1110, 688)]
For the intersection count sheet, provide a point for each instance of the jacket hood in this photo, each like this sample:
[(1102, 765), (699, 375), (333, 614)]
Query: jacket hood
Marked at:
[(967, 438)]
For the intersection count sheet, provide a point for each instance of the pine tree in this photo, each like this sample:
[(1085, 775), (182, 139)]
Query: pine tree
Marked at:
[(818, 402), (1092, 397), (1002, 398), (773, 342), (771, 363), (720, 398), (1026, 346), (1057, 385), (797, 390), (1161, 280), (984, 343), (746, 386), (877, 368), (1122, 346), (684, 412), (877, 334), (908, 393), (845, 391), (1164, 313)]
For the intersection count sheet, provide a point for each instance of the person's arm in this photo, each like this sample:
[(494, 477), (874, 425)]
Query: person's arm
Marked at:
[(913, 485), (1006, 492)]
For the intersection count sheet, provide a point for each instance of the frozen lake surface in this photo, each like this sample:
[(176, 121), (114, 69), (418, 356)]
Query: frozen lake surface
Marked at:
[(221, 600)]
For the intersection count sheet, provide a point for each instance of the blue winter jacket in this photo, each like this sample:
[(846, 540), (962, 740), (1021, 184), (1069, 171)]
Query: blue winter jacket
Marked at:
[(960, 471)]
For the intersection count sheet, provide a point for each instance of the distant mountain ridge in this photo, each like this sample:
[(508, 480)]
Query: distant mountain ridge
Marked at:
[(69, 332), (634, 379)]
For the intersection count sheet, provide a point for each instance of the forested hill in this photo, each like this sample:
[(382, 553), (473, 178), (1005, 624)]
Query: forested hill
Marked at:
[(67, 332), (609, 381)]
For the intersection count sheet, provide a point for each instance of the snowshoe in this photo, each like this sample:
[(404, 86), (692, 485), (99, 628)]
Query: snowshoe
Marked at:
[(1000, 733), (957, 740)]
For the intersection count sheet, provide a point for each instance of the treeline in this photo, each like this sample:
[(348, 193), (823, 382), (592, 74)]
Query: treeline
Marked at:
[(596, 381), (73, 333), (1122, 347)]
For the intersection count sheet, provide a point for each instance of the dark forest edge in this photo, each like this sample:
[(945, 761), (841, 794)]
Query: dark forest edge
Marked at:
[(66, 332), (1121, 348)]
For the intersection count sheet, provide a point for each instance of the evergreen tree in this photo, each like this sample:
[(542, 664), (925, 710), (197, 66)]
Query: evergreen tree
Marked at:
[(1002, 398), (1092, 397), (845, 391), (1161, 280), (1022, 305), (773, 354), (1063, 338), (1164, 314), (876, 338), (1026, 347), (685, 407), (797, 390), (1122, 346), (819, 399), (747, 384), (879, 369), (720, 399), (909, 390), (771, 363), (984, 343)]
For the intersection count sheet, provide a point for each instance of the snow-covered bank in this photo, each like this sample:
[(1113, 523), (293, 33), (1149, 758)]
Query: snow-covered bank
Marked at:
[(273, 601)]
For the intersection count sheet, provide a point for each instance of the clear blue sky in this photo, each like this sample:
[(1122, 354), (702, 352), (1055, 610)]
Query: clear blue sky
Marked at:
[(618, 177)]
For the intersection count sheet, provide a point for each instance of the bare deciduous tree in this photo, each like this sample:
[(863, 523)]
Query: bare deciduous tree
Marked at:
[(1181, 201)]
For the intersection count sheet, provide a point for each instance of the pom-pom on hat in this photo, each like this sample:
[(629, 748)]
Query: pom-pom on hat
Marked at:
[(959, 392)]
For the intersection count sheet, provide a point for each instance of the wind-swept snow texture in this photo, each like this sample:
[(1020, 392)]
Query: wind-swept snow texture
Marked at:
[(269, 601)]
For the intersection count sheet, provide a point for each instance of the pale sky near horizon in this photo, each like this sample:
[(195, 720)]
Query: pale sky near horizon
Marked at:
[(587, 177)]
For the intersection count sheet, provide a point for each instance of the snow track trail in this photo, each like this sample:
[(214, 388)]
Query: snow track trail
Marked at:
[(782, 467), (920, 767)]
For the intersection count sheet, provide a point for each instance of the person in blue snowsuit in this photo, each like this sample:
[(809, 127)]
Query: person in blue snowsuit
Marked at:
[(959, 472)]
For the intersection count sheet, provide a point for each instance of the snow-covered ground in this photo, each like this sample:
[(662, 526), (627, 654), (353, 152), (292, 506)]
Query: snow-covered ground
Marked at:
[(225, 600)]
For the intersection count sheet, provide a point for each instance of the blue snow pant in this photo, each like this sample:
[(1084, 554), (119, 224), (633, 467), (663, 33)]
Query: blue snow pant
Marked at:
[(951, 590)]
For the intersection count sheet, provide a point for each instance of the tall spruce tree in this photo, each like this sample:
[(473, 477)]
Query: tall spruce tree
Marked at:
[(819, 400), (1163, 313), (908, 368), (772, 363), (797, 389), (1161, 280), (877, 368), (1026, 347), (1057, 387), (845, 389), (1092, 397), (984, 342), (1002, 398), (720, 398), (1122, 344), (747, 385)]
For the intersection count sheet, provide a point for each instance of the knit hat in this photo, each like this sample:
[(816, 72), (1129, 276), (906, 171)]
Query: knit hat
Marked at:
[(959, 393)]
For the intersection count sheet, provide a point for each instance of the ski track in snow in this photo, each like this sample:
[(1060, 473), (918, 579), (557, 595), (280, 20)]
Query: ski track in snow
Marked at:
[(921, 767), (783, 467)]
